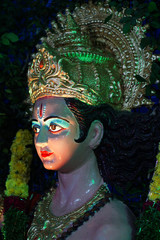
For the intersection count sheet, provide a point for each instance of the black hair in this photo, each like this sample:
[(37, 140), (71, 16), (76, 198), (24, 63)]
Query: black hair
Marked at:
[(127, 153)]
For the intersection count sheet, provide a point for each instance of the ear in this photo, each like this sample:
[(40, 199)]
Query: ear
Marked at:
[(95, 134)]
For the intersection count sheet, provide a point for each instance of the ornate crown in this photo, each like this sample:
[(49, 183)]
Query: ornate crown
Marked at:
[(85, 58)]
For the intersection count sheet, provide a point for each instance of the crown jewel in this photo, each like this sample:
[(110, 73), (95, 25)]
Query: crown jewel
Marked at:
[(85, 58), (46, 78)]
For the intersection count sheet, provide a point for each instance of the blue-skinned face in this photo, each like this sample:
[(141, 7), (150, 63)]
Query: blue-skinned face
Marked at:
[(56, 128)]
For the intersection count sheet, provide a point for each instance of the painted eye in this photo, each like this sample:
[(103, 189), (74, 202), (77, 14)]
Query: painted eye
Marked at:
[(55, 128), (36, 129)]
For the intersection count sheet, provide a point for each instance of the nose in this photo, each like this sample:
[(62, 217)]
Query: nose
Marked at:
[(42, 138)]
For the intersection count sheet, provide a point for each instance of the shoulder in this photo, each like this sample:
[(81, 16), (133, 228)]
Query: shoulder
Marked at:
[(118, 222)]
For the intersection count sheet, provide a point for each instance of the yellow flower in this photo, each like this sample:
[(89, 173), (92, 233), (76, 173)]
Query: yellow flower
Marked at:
[(10, 185), (13, 148), (28, 135), (154, 193), (18, 178), (13, 158), (156, 179), (154, 196), (158, 188), (12, 175), (19, 133), (158, 171)]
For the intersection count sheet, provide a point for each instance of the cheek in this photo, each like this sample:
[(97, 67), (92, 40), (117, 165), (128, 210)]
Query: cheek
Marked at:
[(35, 143), (63, 145)]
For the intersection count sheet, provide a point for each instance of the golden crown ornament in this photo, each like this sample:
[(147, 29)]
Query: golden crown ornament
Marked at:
[(87, 58)]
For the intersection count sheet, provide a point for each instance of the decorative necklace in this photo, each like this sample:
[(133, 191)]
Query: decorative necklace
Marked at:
[(47, 226)]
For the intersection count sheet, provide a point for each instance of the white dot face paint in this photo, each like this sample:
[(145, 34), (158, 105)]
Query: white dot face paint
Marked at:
[(56, 129)]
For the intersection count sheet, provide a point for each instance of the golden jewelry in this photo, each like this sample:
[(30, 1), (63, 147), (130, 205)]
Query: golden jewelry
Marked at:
[(47, 226), (85, 58)]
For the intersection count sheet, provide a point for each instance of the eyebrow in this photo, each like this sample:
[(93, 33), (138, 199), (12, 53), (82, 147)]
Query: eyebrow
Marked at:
[(51, 117)]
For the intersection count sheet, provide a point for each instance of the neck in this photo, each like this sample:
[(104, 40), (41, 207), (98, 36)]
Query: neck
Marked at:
[(77, 187)]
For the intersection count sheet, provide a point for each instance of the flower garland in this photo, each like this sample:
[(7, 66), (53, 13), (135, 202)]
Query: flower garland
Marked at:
[(154, 194), (148, 224), (149, 221), (15, 217), (17, 181)]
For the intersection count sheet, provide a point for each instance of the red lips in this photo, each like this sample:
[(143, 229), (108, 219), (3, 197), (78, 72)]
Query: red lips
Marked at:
[(46, 154)]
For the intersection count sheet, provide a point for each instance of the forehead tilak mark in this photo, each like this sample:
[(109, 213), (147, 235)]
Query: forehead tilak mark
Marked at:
[(41, 111)]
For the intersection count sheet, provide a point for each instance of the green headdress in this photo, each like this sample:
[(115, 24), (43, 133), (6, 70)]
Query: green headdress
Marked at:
[(87, 58)]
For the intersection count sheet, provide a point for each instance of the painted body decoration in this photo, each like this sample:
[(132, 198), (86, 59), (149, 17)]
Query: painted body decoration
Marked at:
[(41, 111), (54, 133)]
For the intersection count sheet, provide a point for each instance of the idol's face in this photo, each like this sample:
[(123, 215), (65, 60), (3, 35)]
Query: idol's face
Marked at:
[(56, 128)]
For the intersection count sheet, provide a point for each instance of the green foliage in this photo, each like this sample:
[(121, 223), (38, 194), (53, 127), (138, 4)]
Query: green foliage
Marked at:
[(108, 18), (126, 27), (8, 38), (15, 225), (148, 225), (152, 6), (140, 79)]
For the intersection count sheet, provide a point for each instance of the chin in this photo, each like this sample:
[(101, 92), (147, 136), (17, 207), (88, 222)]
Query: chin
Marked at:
[(49, 165)]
